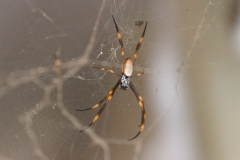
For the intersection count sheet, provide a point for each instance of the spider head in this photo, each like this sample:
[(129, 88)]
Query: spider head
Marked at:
[(128, 68)]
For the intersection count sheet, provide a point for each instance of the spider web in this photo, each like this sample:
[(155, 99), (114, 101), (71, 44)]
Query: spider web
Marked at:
[(190, 61)]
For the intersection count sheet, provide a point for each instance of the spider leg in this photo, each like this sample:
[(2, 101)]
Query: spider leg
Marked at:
[(139, 74), (108, 99), (140, 101), (139, 44), (96, 104), (120, 41), (103, 69), (109, 93)]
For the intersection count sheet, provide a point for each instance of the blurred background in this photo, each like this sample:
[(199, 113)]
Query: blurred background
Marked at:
[(190, 55)]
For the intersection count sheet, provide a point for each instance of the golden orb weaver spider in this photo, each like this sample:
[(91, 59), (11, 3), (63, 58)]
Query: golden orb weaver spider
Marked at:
[(124, 81)]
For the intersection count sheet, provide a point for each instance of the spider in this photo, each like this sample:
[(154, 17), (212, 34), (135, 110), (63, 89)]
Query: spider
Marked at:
[(124, 82)]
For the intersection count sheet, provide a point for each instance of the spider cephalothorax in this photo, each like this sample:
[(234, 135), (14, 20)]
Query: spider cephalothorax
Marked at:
[(124, 82)]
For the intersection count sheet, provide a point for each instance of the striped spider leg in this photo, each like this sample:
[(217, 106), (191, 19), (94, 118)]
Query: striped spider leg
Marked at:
[(108, 97)]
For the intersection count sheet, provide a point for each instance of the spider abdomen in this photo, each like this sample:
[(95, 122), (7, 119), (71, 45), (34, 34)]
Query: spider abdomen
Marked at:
[(125, 80), (128, 68)]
